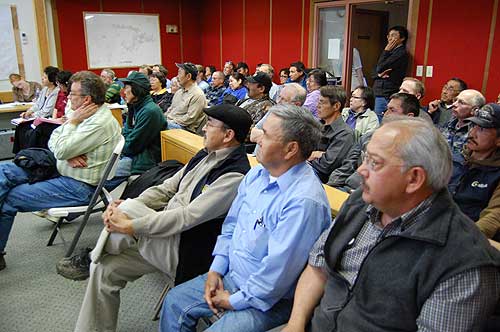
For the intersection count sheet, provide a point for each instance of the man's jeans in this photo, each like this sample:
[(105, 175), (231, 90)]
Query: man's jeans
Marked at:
[(184, 305), (17, 195), (123, 172), (380, 107)]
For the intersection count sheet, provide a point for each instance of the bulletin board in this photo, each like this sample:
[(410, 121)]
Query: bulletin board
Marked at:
[(121, 40)]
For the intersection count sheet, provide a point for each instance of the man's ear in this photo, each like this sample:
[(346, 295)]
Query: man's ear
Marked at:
[(229, 135), (291, 150), (417, 178)]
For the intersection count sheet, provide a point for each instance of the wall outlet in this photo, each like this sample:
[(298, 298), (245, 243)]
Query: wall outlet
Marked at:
[(172, 29), (428, 71), (420, 71)]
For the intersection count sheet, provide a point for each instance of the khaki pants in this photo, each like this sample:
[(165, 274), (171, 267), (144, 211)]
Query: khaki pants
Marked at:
[(121, 263)]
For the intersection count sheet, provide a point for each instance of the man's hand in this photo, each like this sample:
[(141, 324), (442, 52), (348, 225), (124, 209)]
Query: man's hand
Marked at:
[(118, 222), (291, 328), (107, 213), (390, 45), (434, 105), (316, 155), (83, 112), (221, 300), (212, 286), (78, 161), (385, 73)]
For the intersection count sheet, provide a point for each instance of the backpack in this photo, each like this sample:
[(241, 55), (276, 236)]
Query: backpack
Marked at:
[(152, 177)]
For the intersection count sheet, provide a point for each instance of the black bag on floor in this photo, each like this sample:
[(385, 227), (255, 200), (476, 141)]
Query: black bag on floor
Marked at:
[(152, 177)]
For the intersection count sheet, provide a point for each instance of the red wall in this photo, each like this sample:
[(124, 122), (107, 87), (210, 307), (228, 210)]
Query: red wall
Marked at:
[(458, 44), (70, 16), (246, 31)]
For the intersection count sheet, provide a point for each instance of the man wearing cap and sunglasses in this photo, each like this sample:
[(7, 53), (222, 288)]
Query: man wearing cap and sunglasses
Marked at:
[(145, 232), (477, 192), (186, 111)]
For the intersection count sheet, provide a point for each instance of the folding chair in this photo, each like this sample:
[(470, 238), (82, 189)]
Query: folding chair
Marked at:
[(99, 201)]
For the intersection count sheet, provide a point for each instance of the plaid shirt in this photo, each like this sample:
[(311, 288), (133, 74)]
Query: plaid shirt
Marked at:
[(213, 94), (460, 303), (456, 136)]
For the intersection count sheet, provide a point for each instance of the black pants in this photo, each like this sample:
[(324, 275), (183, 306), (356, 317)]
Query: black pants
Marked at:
[(27, 137)]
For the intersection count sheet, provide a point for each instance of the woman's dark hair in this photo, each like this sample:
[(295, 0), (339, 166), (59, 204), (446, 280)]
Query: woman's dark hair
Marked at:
[(212, 69), (63, 78), (367, 95), (159, 75), (237, 76), (286, 70), (138, 91), (319, 76), (51, 73)]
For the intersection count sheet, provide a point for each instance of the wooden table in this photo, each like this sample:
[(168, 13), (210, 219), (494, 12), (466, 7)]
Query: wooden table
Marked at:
[(182, 145), (11, 111)]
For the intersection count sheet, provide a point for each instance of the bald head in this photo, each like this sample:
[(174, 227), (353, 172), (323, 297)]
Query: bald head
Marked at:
[(292, 93), (466, 103)]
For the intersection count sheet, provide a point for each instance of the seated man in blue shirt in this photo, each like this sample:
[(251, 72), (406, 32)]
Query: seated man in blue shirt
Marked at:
[(280, 209)]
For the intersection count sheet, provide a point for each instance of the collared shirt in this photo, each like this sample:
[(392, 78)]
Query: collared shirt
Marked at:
[(456, 136), (174, 196), (213, 94), (362, 123), (187, 107), (311, 102), (336, 140), (257, 108), (268, 232), (113, 92), (95, 137), (464, 294), (45, 103)]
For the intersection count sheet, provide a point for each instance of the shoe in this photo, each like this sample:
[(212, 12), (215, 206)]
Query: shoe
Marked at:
[(76, 267), (3, 265), (44, 214)]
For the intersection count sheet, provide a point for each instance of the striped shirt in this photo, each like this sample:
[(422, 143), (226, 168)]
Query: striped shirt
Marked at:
[(95, 137), (460, 303)]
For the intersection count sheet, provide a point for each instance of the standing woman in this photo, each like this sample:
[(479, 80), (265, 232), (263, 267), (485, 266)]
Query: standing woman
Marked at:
[(360, 115), (24, 91), (235, 91), (159, 91)]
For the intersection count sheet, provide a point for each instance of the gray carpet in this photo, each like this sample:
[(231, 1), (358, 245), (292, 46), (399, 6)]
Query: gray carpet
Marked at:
[(33, 297)]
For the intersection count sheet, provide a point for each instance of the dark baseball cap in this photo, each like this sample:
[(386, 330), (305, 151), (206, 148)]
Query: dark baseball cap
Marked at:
[(189, 68), (262, 78), (487, 116), (138, 79), (234, 117)]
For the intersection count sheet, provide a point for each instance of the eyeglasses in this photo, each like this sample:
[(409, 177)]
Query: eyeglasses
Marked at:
[(374, 165), (355, 97), (284, 76), (71, 94), (449, 88)]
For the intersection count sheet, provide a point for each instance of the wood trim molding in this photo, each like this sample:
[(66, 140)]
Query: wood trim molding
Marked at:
[(412, 24), (19, 51), (427, 37), (244, 32), (181, 31), (302, 31), (270, 31), (490, 47), (42, 31), (57, 34), (220, 34)]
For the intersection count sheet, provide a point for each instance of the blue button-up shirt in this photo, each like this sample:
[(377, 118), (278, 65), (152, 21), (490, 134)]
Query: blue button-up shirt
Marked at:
[(268, 232)]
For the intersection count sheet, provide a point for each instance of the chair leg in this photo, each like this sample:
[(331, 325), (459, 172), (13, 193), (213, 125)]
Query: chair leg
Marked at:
[(56, 230)]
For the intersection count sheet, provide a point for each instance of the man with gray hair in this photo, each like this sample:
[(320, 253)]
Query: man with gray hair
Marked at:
[(113, 86), (400, 255), (269, 70), (455, 131), (280, 210)]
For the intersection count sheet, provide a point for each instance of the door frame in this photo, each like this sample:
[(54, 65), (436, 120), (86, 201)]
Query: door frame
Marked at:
[(316, 5)]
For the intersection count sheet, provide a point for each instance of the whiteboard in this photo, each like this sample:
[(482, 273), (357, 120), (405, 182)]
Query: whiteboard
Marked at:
[(121, 40), (8, 54)]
